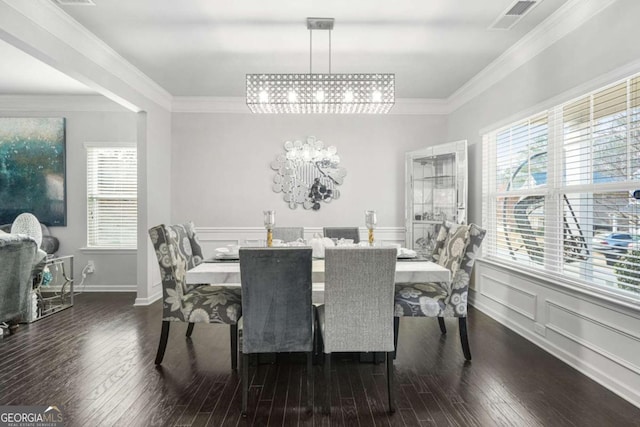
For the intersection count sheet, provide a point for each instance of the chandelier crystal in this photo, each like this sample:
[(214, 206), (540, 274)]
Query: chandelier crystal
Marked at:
[(321, 92)]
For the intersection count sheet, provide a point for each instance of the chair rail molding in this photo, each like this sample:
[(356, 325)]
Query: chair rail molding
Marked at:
[(212, 237)]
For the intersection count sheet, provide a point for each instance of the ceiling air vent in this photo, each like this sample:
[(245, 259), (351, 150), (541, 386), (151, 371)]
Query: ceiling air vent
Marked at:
[(513, 14), (520, 8), (75, 2)]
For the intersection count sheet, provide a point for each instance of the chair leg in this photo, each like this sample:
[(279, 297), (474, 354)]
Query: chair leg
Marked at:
[(443, 327), (319, 344), (396, 329), (462, 321), (234, 346), (310, 381), (190, 329), (392, 404), (316, 337), (164, 337), (245, 383), (327, 383)]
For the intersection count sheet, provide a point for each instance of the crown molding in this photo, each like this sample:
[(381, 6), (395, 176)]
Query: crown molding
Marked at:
[(42, 103), (600, 82), (562, 22), (566, 19), (237, 105), (58, 23), (55, 21), (420, 106)]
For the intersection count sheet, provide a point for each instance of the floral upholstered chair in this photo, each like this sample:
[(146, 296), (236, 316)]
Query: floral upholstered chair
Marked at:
[(178, 250), (458, 253)]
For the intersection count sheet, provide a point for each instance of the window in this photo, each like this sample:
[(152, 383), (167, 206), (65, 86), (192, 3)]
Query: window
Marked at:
[(558, 190), (112, 206)]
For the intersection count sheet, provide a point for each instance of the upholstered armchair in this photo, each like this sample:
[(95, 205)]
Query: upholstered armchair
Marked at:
[(178, 250), (443, 299), (49, 243), (18, 257)]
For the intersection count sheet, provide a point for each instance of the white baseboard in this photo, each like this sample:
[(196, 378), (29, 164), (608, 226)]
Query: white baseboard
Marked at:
[(95, 288), (107, 288), (140, 302), (627, 393), (156, 294)]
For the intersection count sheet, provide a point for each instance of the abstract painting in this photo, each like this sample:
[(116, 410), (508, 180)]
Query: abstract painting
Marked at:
[(32, 169)]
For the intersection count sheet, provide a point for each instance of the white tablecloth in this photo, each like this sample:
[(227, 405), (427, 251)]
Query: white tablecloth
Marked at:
[(228, 273)]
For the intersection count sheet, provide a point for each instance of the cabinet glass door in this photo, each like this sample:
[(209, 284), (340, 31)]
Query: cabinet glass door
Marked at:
[(436, 191)]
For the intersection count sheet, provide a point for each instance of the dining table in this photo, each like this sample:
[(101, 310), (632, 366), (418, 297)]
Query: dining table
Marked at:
[(227, 273)]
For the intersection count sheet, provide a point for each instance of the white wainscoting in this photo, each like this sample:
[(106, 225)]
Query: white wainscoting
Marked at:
[(599, 338), (215, 237)]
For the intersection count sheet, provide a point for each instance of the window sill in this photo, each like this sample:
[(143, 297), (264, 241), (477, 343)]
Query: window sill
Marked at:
[(566, 285), (109, 251)]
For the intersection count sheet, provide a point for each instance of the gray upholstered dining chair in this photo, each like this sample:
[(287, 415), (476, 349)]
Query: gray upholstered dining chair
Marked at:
[(178, 250), (443, 299), (277, 314), (358, 312), (288, 234), (342, 233)]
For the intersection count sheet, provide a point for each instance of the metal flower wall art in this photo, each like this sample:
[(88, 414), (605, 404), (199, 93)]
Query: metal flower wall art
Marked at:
[(307, 173)]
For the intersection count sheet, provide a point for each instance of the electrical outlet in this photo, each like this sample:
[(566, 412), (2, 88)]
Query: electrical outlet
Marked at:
[(91, 267), (540, 329)]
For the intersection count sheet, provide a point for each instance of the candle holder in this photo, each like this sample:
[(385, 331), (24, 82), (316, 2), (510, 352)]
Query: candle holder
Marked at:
[(370, 221), (269, 223)]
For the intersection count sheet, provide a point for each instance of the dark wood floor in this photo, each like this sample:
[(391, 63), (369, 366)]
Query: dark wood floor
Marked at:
[(96, 360)]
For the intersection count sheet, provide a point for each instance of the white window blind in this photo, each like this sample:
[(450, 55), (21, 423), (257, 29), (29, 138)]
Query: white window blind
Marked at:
[(112, 206), (558, 189), (518, 169)]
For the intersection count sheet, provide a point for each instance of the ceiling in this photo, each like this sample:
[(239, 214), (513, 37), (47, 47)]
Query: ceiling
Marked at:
[(21, 74), (205, 48)]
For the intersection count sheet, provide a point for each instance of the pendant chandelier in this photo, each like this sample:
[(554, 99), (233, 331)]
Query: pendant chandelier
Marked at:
[(320, 93)]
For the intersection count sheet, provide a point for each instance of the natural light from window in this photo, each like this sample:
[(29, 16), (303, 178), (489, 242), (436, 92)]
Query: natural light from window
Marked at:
[(112, 207), (558, 190)]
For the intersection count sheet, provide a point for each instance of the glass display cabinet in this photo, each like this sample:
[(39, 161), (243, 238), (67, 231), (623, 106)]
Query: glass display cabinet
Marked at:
[(436, 190)]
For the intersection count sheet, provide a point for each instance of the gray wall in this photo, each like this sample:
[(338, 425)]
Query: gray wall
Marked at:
[(604, 43), (221, 175), (114, 271), (590, 329)]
